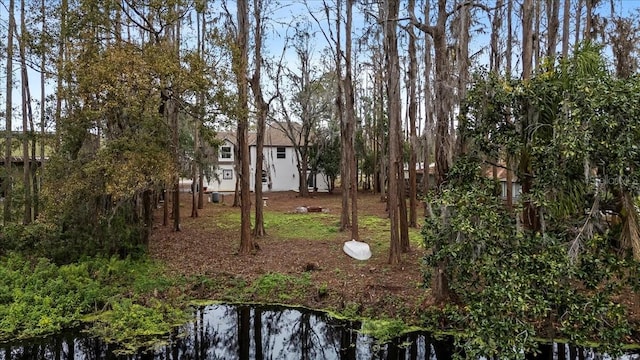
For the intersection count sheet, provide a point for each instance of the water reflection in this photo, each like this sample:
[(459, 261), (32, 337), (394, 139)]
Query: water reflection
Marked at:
[(258, 332)]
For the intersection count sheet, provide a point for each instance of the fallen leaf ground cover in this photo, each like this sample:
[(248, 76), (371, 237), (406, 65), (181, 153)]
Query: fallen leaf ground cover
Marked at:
[(300, 261)]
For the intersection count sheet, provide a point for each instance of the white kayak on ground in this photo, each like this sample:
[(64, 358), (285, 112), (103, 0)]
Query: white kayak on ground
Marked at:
[(357, 249)]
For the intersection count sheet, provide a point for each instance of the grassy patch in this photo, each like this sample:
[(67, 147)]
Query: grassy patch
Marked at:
[(228, 220), (376, 231), (280, 286), (288, 226), (302, 226), (320, 226)]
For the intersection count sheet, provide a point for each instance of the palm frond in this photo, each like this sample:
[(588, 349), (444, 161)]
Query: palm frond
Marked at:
[(630, 237)]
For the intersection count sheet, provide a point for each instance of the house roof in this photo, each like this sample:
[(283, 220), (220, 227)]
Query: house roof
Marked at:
[(273, 135)]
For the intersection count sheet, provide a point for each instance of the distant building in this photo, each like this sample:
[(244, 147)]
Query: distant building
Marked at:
[(280, 166)]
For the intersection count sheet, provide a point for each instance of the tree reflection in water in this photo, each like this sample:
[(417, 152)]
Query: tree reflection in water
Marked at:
[(264, 332)]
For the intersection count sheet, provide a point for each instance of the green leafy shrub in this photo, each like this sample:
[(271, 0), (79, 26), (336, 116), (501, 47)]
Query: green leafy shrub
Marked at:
[(515, 287), (31, 239)]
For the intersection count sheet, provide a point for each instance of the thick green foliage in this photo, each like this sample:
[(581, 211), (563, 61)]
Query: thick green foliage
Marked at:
[(39, 298), (328, 160), (570, 136), (515, 288)]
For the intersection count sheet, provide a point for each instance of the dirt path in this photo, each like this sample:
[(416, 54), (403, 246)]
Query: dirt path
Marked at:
[(204, 248)]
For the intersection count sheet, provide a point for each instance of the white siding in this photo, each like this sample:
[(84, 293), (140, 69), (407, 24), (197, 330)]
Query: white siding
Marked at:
[(226, 173), (281, 173)]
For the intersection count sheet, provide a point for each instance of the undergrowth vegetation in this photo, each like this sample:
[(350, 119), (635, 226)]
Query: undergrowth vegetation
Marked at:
[(118, 299), (281, 286), (513, 288)]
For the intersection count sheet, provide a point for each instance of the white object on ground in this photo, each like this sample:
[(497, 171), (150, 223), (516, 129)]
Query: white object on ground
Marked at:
[(357, 250)]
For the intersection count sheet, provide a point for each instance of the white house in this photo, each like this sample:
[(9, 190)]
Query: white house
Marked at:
[(280, 172)]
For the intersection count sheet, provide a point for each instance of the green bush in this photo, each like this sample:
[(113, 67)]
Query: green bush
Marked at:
[(515, 287), (32, 238)]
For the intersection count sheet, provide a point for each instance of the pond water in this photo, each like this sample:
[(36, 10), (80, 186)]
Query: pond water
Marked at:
[(264, 332)]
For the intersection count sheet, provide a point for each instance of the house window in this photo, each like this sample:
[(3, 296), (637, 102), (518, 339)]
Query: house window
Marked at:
[(225, 152), (227, 174), (281, 152), (264, 176)]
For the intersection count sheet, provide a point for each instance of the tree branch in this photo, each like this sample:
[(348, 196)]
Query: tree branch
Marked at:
[(471, 4), (427, 29), (149, 27)]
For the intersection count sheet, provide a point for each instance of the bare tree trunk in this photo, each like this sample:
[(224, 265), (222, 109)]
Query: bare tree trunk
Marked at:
[(535, 36), (26, 114), (247, 244), (553, 21), (588, 21), (172, 114), (344, 168), (443, 95), (579, 6), (195, 184), (509, 55), (405, 245), (201, 96), (259, 230), (7, 183), (442, 148), (530, 213), (350, 125), (64, 8), (527, 39), (428, 105), (495, 58), (566, 20), (147, 215), (176, 128), (463, 63), (509, 52), (496, 24), (623, 42), (43, 59), (413, 109), (263, 109), (440, 285), (393, 98), (380, 143)]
